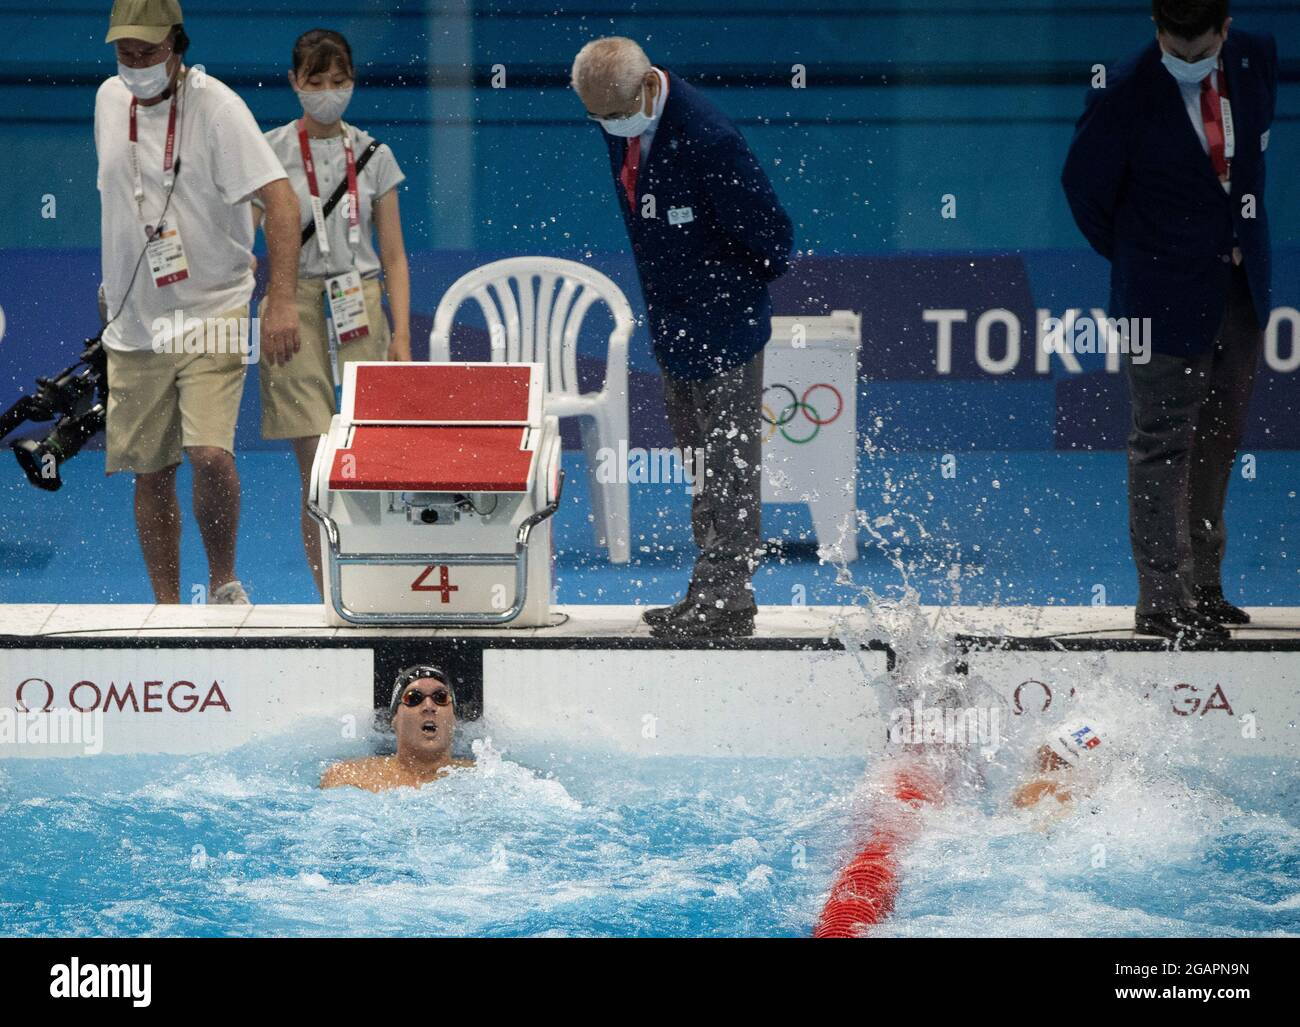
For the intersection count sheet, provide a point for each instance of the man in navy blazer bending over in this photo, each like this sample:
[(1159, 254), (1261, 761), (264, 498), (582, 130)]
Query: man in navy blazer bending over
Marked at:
[(1165, 177), (708, 235)]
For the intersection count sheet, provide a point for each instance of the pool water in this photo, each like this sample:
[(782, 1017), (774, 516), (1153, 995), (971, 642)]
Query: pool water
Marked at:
[(1148, 855), (244, 843)]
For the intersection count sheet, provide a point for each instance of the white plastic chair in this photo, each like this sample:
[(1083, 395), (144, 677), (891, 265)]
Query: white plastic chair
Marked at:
[(534, 308)]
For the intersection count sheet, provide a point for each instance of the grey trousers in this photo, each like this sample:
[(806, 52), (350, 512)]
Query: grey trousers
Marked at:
[(1188, 418), (719, 420)]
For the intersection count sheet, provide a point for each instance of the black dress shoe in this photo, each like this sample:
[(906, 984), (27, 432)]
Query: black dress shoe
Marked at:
[(1183, 626), (697, 621), (663, 614), (1219, 610)]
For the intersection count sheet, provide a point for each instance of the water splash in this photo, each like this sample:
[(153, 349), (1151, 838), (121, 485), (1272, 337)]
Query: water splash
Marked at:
[(981, 867)]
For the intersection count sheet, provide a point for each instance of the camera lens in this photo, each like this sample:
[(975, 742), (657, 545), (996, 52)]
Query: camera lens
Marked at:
[(429, 516), (39, 464)]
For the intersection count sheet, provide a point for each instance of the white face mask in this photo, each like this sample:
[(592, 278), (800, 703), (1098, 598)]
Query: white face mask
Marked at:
[(631, 126), (325, 105), (145, 83), (1190, 72)]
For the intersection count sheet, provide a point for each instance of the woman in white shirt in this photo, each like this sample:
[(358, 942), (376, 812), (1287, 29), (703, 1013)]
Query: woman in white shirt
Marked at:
[(340, 307)]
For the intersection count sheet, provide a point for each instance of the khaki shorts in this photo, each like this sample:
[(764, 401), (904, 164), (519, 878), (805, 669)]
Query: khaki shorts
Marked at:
[(298, 397), (162, 403)]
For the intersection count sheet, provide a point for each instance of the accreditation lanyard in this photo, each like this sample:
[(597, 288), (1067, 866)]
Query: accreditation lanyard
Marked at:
[(1225, 110), (169, 151), (317, 207)]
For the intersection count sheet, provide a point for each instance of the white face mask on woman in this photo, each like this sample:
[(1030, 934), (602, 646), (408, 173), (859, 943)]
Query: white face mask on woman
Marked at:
[(325, 105), (146, 83)]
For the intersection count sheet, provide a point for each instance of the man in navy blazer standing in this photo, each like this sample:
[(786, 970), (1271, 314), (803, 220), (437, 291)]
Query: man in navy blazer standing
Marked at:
[(1165, 177), (708, 235)]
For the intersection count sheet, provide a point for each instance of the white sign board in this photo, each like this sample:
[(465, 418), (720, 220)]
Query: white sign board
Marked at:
[(171, 700), (705, 702), (810, 417), (1241, 703)]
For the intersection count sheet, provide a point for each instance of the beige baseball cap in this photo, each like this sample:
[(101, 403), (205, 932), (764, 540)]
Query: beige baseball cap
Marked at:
[(149, 20)]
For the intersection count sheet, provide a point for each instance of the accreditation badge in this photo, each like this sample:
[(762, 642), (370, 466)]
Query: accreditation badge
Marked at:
[(346, 302), (1229, 130), (166, 254)]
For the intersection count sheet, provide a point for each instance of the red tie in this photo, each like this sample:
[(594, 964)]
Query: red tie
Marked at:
[(1212, 115), (632, 162)]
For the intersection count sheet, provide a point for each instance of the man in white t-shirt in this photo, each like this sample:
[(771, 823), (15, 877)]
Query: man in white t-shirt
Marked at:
[(180, 157)]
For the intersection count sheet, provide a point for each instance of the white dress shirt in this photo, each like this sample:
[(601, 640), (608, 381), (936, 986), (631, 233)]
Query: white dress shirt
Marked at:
[(1192, 101)]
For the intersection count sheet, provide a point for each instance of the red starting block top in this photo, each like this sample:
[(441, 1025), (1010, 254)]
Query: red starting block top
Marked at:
[(433, 458), (442, 393)]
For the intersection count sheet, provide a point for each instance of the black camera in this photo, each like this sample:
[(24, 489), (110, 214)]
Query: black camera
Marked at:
[(78, 397)]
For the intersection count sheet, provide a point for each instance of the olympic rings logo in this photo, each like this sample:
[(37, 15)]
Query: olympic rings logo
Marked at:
[(796, 406)]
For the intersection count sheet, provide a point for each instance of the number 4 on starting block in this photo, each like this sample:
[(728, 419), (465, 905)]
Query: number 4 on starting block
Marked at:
[(444, 583)]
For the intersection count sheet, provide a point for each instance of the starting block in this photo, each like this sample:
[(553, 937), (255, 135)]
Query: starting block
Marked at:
[(434, 490)]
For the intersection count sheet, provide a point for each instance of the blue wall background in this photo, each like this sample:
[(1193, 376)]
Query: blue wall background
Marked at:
[(904, 103)]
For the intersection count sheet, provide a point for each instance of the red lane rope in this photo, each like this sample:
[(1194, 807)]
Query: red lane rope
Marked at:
[(864, 890)]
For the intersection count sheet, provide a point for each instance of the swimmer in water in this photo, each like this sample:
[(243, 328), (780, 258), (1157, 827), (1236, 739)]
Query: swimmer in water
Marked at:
[(1065, 752), (422, 713)]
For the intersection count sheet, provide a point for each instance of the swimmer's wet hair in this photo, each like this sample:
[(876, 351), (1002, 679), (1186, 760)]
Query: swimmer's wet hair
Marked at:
[(418, 672)]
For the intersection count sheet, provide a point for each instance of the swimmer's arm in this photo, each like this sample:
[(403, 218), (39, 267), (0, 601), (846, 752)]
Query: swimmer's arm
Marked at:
[(1031, 793)]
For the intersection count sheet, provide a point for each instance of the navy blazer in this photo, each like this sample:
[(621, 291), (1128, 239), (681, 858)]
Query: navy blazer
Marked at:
[(708, 234), (1146, 197)]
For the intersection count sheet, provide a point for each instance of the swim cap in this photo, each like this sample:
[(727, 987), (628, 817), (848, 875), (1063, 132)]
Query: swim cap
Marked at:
[(1072, 741), (419, 672)]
